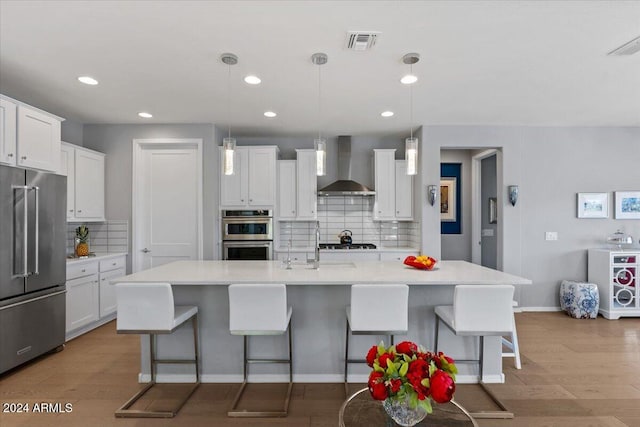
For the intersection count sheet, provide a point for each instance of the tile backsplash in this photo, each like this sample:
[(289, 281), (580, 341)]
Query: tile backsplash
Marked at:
[(337, 213), (108, 236)]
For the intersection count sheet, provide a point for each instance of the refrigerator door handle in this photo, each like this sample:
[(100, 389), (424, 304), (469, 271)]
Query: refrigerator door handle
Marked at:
[(37, 227), (25, 241)]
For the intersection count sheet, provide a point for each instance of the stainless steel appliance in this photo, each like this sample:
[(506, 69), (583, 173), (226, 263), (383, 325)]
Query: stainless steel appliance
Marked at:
[(32, 264), (247, 234)]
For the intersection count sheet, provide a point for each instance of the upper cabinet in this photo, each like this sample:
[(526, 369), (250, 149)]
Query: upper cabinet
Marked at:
[(29, 137), (7, 132), (253, 183), (84, 169), (298, 188), (394, 188)]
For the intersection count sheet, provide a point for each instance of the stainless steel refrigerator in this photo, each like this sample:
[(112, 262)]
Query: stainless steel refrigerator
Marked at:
[(32, 264)]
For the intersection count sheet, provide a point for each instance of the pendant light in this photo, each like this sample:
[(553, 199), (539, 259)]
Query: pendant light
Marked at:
[(411, 143), (228, 144), (320, 144)]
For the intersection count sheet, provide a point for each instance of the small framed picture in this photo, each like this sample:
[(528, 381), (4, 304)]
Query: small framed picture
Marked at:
[(627, 204), (448, 208), (593, 205)]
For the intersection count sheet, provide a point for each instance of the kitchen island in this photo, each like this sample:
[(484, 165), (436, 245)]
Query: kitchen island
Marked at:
[(318, 298)]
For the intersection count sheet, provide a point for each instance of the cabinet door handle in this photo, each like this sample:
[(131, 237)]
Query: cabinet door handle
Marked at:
[(10, 155), (83, 270), (24, 157), (70, 210), (251, 200), (146, 251), (113, 263)]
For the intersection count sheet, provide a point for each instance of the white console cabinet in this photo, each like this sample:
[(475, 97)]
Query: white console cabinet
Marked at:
[(616, 272)]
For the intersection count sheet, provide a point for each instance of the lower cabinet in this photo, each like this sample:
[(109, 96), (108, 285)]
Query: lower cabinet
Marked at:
[(91, 300)]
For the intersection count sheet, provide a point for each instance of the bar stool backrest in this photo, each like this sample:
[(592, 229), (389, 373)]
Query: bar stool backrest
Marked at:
[(258, 309), (379, 307), (483, 309), (145, 307)]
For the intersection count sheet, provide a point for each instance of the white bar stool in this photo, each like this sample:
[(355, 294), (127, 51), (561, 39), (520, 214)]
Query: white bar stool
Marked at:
[(148, 308), (370, 313), (479, 310), (511, 342), (259, 309)]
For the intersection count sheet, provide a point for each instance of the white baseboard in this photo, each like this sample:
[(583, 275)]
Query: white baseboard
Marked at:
[(84, 329), (300, 378), (523, 309)]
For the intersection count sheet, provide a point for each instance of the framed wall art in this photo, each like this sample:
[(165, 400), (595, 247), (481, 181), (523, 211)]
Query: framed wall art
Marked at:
[(450, 198), (593, 205), (627, 205)]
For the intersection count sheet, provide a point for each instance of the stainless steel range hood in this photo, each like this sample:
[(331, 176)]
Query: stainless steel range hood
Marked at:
[(345, 186)]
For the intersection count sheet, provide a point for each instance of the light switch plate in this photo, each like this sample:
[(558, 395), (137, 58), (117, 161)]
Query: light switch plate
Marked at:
[(487, 232), (551, 235)]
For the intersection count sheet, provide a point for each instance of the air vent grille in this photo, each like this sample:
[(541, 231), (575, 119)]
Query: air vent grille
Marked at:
[(362, 40), (628, 48)]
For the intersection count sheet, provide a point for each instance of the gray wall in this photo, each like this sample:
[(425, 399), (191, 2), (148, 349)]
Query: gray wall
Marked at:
[(72, 132), (550, 165), (116, 141)]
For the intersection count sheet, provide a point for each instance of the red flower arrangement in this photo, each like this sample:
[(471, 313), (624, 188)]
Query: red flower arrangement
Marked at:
[(408, 371)]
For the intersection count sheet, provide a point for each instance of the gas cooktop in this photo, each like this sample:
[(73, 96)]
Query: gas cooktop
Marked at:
[(351, 246)]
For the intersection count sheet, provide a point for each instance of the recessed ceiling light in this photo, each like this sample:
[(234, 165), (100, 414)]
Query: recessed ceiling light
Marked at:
[(386, 113), (269, 114), (252, 80), (409, 79), (88, 80), (145, 115)]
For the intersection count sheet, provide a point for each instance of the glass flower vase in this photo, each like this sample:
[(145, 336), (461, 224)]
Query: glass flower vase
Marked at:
[(402, 413)]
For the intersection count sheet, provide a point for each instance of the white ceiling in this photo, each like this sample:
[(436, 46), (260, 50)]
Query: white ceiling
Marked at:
[(482, 63)]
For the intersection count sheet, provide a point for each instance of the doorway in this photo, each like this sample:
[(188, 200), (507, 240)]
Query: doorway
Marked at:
[(167, 201), (485, 209)]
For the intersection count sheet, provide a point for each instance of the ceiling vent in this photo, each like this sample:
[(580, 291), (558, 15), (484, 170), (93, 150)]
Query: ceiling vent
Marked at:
[(628, 48), (362, 40)]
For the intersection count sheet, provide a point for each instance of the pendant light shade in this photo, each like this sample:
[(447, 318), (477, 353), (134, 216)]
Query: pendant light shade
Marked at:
[(228, 152), (320, 144), (411, 155), (228, 144), (411, 143)]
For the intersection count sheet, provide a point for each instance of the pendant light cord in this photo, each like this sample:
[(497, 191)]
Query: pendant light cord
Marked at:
[(229, 99), (319, 101), (411, 103)]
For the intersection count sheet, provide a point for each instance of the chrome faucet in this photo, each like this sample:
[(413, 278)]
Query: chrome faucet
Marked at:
[(316, 261)]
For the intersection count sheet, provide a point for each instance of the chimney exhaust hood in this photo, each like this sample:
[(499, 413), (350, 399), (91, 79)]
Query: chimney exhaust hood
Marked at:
[(345, 186)]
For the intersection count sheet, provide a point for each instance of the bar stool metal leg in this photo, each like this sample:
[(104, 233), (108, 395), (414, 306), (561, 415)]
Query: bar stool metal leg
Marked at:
[(234, 412), (125, 412)]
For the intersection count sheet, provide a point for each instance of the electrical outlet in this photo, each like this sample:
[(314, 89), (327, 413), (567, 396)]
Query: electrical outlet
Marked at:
[(551, 235)]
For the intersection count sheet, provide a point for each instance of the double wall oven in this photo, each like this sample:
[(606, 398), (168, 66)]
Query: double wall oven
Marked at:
[(247, 234)]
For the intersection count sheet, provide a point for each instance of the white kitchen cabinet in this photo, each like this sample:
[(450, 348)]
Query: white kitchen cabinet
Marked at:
[(253, 183), (617, 274), (7, 132), (348, 255), (29, 137), (307, 185), (110, 269), (298, 188), (82, 296), (394, 188), (91, 299), (287, 188), (38, 139), (84, 169), (404, 192)]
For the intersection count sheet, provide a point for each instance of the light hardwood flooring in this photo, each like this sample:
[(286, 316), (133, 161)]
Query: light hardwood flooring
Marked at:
[(574, 373)]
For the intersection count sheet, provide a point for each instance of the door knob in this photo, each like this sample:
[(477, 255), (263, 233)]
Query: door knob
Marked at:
[(146, 251)]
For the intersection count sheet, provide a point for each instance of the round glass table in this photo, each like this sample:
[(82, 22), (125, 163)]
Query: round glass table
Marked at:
[(360, 409)]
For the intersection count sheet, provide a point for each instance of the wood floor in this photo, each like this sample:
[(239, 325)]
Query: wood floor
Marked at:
[(574, 373)]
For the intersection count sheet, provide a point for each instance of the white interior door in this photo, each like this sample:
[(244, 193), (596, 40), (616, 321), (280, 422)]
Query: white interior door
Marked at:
[(167, 202)]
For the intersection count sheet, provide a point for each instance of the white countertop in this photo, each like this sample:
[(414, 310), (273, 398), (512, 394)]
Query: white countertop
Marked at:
[(99, 257), (330, 273), (376, 250)]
